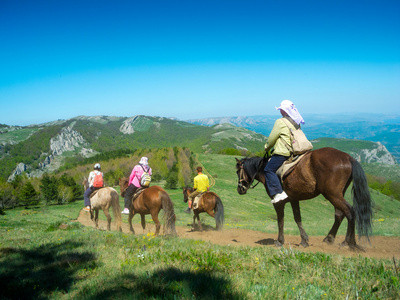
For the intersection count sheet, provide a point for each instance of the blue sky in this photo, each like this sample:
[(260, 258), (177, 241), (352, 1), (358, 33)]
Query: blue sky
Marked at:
[(196, 59)]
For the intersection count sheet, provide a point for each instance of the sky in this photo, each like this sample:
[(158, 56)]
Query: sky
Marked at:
[(196, 59)]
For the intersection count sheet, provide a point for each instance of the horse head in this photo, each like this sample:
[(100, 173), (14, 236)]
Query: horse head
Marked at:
[(186, 192), (85, 183), (243, 179), (123, 185)]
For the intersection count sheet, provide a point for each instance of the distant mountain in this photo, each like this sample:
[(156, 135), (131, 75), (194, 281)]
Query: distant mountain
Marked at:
[(371, 127), (38, 148)]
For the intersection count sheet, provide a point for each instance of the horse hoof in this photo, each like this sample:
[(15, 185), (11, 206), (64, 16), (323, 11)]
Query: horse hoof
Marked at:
[(329, 240), (304, 244), (357, 248)]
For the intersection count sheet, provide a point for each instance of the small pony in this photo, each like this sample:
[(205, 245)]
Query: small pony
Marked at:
[(210, 203), (150, 201), (103, 199)]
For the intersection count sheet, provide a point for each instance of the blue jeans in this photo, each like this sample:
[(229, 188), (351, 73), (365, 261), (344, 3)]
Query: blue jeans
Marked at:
[(87, 194), (273, 182)]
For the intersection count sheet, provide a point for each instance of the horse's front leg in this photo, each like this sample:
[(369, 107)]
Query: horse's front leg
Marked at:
[(107, 213), (130, 217), (280, 212), (297, 217)]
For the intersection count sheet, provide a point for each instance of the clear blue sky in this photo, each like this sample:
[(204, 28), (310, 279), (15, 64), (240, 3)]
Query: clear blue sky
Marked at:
[(196, 59)]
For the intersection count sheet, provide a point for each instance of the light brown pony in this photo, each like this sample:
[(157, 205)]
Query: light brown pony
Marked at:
[(103, 199), (325, 171), (150, 201), (209, 203)]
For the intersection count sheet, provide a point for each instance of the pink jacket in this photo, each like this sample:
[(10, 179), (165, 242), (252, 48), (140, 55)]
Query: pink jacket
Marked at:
[(137, 173)]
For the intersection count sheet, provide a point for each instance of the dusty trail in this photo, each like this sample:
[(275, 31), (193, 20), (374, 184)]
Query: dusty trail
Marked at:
[(380, 247)]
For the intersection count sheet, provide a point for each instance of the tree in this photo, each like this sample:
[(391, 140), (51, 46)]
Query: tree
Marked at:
[(49, 188), (28, 195)]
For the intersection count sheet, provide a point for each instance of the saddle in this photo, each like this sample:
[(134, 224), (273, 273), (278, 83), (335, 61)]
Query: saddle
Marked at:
[(195, 204), (137, 193), (94, 193), (289, 165)]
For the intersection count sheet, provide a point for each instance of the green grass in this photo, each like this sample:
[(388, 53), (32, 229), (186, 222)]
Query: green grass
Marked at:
[(46, 254)]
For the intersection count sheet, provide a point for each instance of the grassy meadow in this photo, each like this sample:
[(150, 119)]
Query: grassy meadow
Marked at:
[(46, 254)]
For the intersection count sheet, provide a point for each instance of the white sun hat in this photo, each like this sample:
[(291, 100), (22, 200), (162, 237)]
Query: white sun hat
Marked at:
[(144, 161), (291, 110)]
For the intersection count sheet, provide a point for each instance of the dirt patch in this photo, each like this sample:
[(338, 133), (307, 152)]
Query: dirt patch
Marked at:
[(380, 246)]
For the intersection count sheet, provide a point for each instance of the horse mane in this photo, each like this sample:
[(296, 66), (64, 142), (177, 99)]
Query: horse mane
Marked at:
[(252, 165)]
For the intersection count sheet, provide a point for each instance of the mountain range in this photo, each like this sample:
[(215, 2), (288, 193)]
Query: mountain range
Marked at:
[(381, 128), (40, 148)]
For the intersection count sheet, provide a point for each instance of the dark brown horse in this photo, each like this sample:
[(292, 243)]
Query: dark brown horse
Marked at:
[(150, 201), (209, 203), (325, 171)]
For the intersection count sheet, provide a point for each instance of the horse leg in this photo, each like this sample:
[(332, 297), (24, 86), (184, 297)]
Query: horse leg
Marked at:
[(130, 217), (96, 218), (347, 210), (297, 217), (157, 222), (143, 222), (199, 222), (330, 238), (107, 213), (212, 214), (280, 212)]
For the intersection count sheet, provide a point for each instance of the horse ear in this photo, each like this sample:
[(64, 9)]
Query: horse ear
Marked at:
[(237, 160)]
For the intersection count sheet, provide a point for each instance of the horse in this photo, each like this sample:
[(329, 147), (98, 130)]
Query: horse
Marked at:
[(325, 171), (103, 199), (210, 203), (150, 201)]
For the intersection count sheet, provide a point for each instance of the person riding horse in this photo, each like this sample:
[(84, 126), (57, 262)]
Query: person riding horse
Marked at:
[(279, 139), (95, 181), (201, 185), (134, 182)]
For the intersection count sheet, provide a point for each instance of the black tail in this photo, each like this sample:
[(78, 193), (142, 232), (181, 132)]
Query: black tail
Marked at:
[(362, 202), (219, 214)]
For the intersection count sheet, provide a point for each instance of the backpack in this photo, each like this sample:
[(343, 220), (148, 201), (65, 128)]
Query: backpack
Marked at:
[(98, 180), (145, 179), (300, 143)]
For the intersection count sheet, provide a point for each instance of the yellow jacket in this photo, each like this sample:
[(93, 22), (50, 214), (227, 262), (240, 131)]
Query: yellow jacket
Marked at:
[(201, 183), (280, 135)]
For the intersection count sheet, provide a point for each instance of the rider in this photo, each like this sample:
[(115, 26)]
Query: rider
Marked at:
[(134, 181), (201, 185), (278, 139), (95, 182)]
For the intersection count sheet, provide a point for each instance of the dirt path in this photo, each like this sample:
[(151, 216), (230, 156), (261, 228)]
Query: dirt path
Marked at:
[(380, 247)]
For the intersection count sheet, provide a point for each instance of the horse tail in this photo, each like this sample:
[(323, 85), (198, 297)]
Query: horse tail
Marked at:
[(219, 213), (362, 201), (116, 209), (169, 213)]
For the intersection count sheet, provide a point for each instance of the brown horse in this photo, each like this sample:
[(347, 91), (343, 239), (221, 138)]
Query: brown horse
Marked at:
[(209, 203), (150, 201), (103, 199), (325, 171)]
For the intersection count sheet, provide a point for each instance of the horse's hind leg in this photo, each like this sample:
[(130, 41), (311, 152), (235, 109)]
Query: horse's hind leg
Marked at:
[(107, 213), (297, 217), (96, 218), (339, 216), (157, 222)]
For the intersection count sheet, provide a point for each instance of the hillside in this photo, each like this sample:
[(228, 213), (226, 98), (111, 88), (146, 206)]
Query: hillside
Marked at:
[(43, 148)]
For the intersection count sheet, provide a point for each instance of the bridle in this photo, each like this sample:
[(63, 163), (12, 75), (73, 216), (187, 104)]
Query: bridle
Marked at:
[(243, 177)]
